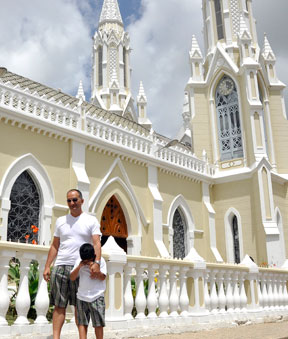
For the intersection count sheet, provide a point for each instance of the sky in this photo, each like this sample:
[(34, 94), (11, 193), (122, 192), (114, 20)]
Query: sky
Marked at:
[(51, 42)]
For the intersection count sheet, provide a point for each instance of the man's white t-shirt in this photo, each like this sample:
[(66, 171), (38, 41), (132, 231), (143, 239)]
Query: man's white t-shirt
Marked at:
[(73, 232), (90, 289)]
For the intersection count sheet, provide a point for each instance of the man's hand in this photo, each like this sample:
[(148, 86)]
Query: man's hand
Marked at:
[(46, 274)]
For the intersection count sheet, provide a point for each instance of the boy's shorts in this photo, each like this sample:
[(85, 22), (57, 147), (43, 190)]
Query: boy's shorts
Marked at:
[(95, 309), (62, 288)]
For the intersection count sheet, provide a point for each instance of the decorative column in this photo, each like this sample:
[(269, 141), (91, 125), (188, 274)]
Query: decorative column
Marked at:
[(206, 292), (128, 296), (213, 295), (116, 261), (236, 293), (152, 296), (173, 298), (23, 296), (42, 297), (221, 293), (184, 299), (242, 292), (229, 292), (5, 256), (140, 300), (163, 297)]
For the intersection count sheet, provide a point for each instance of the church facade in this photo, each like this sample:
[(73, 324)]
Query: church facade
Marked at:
[(216, 193)]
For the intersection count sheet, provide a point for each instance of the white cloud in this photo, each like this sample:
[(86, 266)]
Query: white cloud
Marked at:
[(47, 41), (161, 40)]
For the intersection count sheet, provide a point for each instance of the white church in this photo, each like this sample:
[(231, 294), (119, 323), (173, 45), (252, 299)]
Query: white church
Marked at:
[(203, 218)]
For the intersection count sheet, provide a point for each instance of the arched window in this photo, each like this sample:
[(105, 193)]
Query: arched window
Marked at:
[(179, 235), (113, 223), (236, 246), (229, 127), (24, 211), (219, 20)]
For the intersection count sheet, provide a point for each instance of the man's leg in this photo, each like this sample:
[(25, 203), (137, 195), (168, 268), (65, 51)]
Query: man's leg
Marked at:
[(58, 321), (82, 331), (99, 332)]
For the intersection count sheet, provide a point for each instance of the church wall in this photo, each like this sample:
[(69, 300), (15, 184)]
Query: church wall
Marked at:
[(280, 194), (279, 128), (53, 155), (202, 125), (170, 187), (239, 196)]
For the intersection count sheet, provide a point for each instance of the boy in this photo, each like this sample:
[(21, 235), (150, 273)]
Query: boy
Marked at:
[(90, 295)]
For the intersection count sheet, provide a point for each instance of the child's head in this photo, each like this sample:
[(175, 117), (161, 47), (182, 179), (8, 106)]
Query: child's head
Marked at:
[(87, 252)]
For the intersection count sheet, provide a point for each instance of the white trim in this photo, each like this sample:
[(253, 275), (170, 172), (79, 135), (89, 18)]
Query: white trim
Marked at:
[(47, 201), (230, 256)]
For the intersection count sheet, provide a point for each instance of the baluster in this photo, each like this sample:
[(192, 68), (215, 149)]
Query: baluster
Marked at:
[(275, 291), (259, 291), (221, 293), (140, 301), (152, 296), (23, 297), (206, 293), (128, 296), (265, 293), (243, 297), (213, 295), (270, 293), (4, 299), (163, 298), (281, 293), (42, 297), (173, 298), (184, 299), (236, 294), (285, 293), (229, 292)]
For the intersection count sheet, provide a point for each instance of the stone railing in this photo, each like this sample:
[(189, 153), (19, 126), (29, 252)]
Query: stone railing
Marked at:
[(128, 137), (154, 290), (32, 105)]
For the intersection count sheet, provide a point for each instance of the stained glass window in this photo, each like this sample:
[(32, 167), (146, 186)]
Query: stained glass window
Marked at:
[(23, 218), (236, 240), (179, 235), (229, 127)]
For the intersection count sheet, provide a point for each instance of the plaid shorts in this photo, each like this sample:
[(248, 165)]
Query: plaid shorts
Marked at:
[(95, 308), (62, 288)]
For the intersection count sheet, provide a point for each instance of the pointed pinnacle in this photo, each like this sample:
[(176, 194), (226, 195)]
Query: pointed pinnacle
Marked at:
[(267, 48), (110, 12), (80, 93)]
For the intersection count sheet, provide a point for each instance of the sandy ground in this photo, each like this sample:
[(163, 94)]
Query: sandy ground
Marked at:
[(277, 330)]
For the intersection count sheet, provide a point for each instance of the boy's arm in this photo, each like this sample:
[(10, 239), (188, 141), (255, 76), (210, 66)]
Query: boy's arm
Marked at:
[(100, 276), (74, 274)]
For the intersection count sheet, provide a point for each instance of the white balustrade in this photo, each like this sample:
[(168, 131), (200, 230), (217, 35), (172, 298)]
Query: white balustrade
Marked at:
[(167, 295), (4, 299), (184, 299), (152, 301), (163, 297), (42, 297), (23, 297), (140, 300), (173, 297)]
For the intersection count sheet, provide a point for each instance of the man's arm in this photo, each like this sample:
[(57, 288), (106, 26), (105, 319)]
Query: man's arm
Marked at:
[(51, 256), (95, 268)]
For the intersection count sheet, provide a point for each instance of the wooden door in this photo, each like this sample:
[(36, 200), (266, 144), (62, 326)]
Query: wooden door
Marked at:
[(113, 223)]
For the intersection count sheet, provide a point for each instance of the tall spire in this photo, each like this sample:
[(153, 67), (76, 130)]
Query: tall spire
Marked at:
[(110, 12), (267, 51), (80, 93)]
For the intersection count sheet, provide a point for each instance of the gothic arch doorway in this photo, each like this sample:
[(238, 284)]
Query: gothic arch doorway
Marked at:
[(113, 223)]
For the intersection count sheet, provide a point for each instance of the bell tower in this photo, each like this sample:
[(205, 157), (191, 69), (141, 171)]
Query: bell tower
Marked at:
[(111, 74)]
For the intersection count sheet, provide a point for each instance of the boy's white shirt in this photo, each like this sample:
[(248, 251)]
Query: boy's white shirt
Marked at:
[(90, 289)]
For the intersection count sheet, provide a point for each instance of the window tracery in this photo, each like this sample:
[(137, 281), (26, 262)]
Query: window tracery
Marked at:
[(24, 211), (236, 244), (229, 126), (179, 235)]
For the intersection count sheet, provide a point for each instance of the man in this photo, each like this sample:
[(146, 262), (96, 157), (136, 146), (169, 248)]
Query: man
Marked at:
[(71, 231)]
